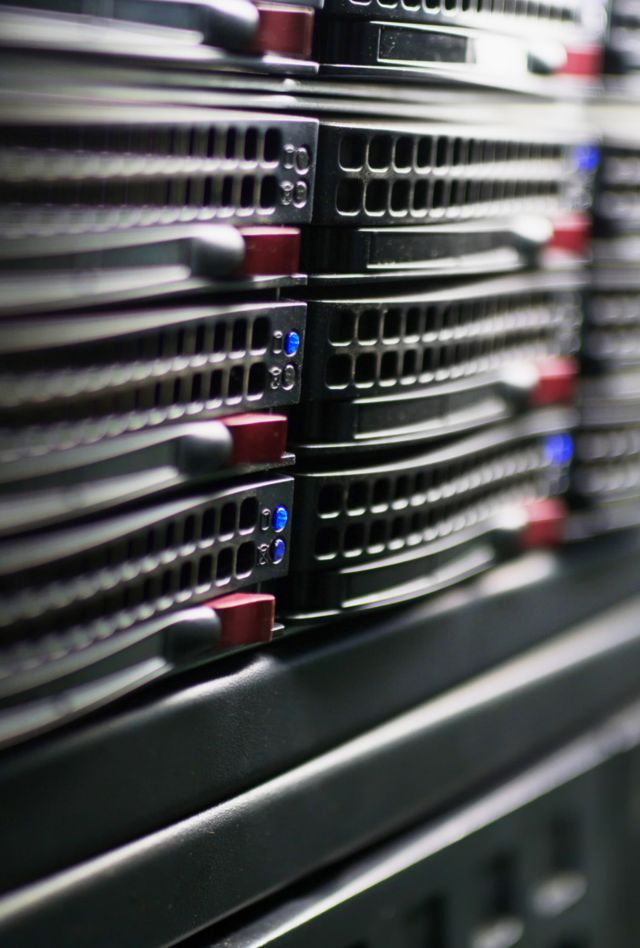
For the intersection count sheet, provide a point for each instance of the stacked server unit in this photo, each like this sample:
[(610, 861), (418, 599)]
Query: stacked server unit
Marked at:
[(148, 358), (607, 475), (302, 322), (434, 424), (196, 292)]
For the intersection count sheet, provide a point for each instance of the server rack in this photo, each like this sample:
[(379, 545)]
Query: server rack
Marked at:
[(305, 344)]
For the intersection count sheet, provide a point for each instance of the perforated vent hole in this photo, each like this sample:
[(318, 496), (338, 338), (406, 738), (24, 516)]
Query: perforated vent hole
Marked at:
[(438, 199), (228, 519), (357, 497), (381, 493), (428, 924), (248, 519), (236, 381), (189, 535), (389, 367), (251, 144), (352, 152), (260, 334), (349, 196), (392, 324), (377, 535), (403, 153), (442, 152), (329, 500), (354, 539), (208, 531), (376, 196), (245, 560), (224, 565), (424, 153), (501, 879), (341, 326), (365, 370), (268, 193), (401, 492), (379, 157), (185, 581), (272, 144), (409, 369), (338, 373), (565, 844), (413, 323), (246, 192), (205, 570), (420, 199), (368, 326), (257, 380), (230, 144), (400, 197), (327, 543), (239, 335)]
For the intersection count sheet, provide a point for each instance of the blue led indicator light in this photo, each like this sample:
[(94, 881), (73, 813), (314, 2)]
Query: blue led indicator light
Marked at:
[(558, 449), (280, 519), (278, 549), (292, 343), (586, 158)]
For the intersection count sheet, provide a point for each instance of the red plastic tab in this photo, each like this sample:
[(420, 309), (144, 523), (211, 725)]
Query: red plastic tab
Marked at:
[(257, 438), (546, 524), (285, 30), (246, 618), (270, 251), (557, 381), (571, 234), (583, 61)]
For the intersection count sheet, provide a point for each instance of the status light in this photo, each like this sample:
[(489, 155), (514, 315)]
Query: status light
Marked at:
[(586, 158), (292, 343), (558, 449), (280, 518), (278, 550)]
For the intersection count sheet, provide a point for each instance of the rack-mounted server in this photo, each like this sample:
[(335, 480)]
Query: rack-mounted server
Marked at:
[(93, 610), (532, 47), (260, 38), (382, 533), (99, 398), (134, 201), (102, 203), (441, 199), (137, 564), (388, 370), (408, 41)]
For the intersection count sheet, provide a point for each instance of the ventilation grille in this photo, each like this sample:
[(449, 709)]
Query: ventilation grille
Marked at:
[(71, 179), (388, 175), (613, 333), (526, 9), (621, 164), (619, 196), (609, 462), (143, 565), (625, 20), (387, 345), (363, 517), (197, 367)]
